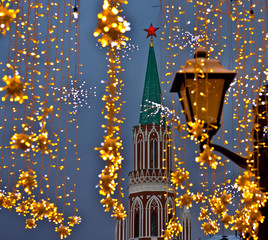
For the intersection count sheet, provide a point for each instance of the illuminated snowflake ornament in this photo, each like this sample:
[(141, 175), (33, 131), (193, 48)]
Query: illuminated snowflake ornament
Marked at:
[(22, 208), (64, 231), (227, 220), (107, 182), (55, 217), (204, 214), (6, 17), (76, 96), (28, 181), (210, 227), (30, 223), (111, 27), (74, 220), (173, 229), (199, 198), (14, 88), (119, 212), (196, 130), (11, 199), (185, 200), (108, 203), (178, 177), (22, 141), (208, 157), (45, 112), (40, 209), (109, 149), (217, 206), (43, 142)]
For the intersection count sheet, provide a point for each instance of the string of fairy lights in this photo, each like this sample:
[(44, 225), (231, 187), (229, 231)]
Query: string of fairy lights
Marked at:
[(236, 41), (215, 205), (39, 156), (40, 78), (111, 31)]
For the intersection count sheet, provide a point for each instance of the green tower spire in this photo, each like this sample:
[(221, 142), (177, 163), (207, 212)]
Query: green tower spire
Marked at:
[(151, 92)]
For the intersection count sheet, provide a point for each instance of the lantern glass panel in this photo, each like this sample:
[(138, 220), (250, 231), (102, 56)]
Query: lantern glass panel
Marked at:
[(205, 96), (185, 102)]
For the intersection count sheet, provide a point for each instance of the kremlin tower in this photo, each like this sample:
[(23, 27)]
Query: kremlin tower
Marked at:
[(150, 194)]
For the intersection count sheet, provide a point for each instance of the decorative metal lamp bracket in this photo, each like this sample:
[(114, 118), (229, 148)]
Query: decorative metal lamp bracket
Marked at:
[(236, 158)]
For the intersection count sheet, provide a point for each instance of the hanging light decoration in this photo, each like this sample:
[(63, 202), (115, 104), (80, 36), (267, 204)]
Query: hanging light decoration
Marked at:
[(75, 12), (111, 26), (6, 17), (229, 33), (14, 87), (32, 186)]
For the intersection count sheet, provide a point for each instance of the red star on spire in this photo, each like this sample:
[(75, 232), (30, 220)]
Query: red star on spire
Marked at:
[(151, 31)]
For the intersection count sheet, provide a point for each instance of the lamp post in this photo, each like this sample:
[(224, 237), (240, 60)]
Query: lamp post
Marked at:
[(201, 86)]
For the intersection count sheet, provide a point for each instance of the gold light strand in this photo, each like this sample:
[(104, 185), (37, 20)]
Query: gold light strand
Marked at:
[(111, 28), (30, 141), (112, 145), (247, 22)]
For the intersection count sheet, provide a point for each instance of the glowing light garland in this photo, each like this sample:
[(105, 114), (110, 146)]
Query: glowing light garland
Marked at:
[(112, 145), (33, 178), (229, 30), (112, 27)]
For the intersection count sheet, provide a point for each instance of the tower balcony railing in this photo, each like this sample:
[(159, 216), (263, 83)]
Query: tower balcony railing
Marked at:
[(149, 176)]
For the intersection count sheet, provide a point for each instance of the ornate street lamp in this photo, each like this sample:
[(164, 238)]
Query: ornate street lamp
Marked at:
[(201, 86)]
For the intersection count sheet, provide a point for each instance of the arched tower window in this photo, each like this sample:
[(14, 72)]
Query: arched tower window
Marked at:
[(136, 219), (169, 216), (154, 224), (169, 209), (136, 225), (170, 157), (167, 153), (153, 153), (164, 160), (140, 154)]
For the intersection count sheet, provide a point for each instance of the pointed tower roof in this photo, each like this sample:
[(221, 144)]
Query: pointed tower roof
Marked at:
[(151, 92)]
